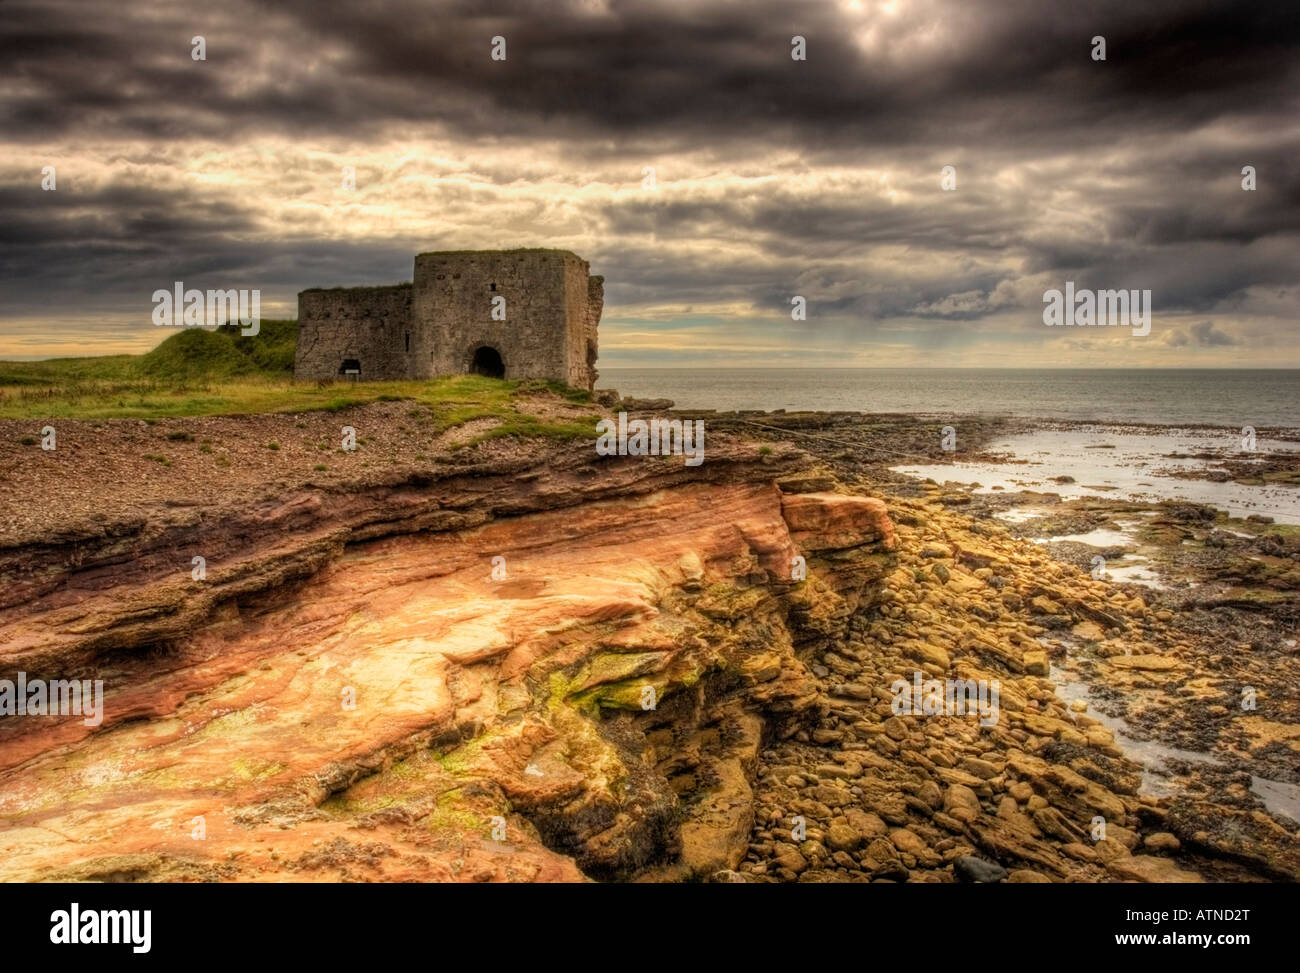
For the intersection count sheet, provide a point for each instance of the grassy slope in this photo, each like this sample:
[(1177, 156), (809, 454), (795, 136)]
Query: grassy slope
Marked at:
[(199, 372)]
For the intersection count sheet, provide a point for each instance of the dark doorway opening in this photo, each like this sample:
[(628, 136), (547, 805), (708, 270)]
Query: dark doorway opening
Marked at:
[(350, 369), (487, 361)]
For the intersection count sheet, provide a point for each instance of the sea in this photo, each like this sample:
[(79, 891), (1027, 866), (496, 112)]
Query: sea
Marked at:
[(1218, 397), (1141, 431)]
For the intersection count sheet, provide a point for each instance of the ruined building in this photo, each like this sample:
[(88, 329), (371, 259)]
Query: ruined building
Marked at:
[(503, 313)]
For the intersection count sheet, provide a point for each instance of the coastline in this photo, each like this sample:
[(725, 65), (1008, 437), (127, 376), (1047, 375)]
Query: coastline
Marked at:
[(1227, 398), (769, 688)]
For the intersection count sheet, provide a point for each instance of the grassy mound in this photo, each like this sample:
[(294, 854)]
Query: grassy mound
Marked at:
[(222, 372), (196, 354), (189, 356)]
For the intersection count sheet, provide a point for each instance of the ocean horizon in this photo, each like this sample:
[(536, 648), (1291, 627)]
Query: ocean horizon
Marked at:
[(1228, 397)]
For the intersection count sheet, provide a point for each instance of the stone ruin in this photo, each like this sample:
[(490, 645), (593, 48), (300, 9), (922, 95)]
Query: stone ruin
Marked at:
[(503, 313)]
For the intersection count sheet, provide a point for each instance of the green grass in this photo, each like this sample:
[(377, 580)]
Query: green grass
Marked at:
[(191, 355), (521, 426), (221, 372), (195, 354), (193, 372)]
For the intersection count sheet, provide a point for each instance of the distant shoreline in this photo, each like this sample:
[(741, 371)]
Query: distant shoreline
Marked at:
[(1225, 398), (934, 368)]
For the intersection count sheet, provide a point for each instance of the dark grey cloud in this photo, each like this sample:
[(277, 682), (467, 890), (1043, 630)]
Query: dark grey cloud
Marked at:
[(1123, 173), (645, 69), (1205, 334), (1200, 334)]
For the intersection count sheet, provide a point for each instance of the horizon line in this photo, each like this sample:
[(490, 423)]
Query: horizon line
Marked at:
[(831, 368), (955, 368)]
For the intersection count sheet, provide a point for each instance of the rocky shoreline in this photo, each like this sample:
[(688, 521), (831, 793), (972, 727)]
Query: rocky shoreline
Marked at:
[(1166, 666), (891, 798), (678, 674)]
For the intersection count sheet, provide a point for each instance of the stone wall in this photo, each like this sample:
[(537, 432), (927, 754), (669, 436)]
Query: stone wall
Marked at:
[(579, 327), (453, 305), (371, 325), (435, 325), (595, 305)]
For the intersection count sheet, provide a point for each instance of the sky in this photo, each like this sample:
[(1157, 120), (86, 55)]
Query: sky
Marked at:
[(773, 177)]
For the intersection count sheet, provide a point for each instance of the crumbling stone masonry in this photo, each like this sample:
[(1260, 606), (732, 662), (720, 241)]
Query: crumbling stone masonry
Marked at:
[(446, 322)]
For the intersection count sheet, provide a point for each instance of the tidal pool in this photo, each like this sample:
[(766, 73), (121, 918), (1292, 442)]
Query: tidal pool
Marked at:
[(1121, 463)]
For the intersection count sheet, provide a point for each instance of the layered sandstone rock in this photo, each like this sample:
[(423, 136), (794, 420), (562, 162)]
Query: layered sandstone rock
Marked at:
[(493, 674), (536, 664)]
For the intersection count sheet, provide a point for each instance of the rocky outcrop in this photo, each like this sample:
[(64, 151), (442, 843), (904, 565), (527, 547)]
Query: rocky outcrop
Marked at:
[(1043, 792), (536, 664), (531, 671)]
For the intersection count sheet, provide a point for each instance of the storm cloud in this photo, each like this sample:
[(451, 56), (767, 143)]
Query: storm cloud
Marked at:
[(677, 146)]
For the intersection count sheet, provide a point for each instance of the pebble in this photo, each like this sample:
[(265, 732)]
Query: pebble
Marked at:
[(789, 858), (1161, 841), (917, 792), (843, 838), (968, 868)]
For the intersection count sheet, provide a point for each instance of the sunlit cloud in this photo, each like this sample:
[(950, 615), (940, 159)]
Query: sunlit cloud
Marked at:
[(772, 178)]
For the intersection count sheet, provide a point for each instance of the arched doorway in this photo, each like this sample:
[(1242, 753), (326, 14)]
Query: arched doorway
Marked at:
[(350, 369), (487, 361)]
